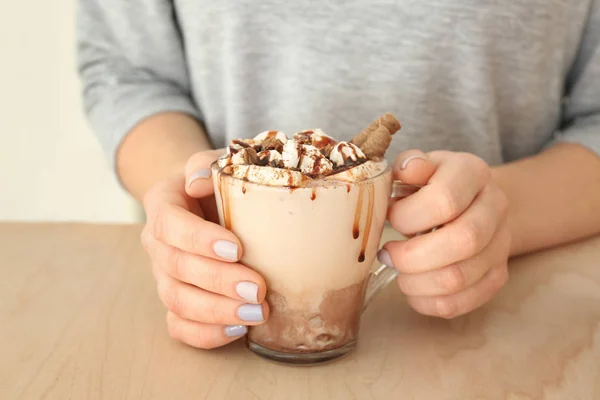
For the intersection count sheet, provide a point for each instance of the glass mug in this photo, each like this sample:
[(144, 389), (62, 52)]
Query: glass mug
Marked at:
[(315, 247)]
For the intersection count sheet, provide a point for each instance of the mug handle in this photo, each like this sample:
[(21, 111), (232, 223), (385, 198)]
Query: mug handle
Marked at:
[(382, 276)]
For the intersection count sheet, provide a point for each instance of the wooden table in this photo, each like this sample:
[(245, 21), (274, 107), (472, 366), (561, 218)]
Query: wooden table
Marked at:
[(79, 319)]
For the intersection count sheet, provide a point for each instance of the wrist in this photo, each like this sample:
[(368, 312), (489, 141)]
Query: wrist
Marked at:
[(158, 148), (551, 195)]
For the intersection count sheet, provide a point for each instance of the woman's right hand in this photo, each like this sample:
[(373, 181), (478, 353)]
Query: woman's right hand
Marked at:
[(210, 297)]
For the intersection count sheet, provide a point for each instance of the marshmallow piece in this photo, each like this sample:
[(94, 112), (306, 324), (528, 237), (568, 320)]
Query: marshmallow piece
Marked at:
[(316, 138), (270, 157), (271, 135), (268, 175), (233, 148), (361, 172), (238, 158), (224, 161), (291, 154), (244, 156), (313, 162), (345, 153), (238, 144)]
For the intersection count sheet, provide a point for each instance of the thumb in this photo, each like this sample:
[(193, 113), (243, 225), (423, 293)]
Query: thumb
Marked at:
[(413, 167), (198, 182)]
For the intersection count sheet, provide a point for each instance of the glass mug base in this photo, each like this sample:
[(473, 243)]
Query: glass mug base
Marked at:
[(311, 358)]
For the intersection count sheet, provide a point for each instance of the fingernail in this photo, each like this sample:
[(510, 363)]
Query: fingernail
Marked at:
[(235, 330), (225, 249), (250, 313), (203, 173), (384, 257), (247, 291), (409, 159)]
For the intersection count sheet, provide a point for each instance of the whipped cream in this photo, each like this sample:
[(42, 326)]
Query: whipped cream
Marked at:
[(291, 154), (271, 158), (268, 175), (271, 135), (313, 162), (306, 158), (345, 153), (243, 156), (315, 137), (366, 170)]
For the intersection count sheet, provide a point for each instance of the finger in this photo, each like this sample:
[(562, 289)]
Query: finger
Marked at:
[(229, 279), (203, 336), (458, 276), (177, 227), (455, 183), (413, 167), (465, 301), (192, 303), (198, 173), (459, 240)]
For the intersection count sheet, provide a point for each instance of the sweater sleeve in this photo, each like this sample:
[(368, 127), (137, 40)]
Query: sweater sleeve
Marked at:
[(581, 112), (132, 65)]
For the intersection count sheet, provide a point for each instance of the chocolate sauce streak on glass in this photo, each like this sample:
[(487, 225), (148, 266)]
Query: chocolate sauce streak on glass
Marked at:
[(348, 187), (313, 194), (224, 190), (358, 212), (243, 187), (370, 209)]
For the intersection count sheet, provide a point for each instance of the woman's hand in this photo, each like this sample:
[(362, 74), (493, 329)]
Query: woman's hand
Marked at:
[(210, 297), (460, 266)]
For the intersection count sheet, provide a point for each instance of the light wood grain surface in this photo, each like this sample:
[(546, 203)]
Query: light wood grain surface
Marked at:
[(79, 319)]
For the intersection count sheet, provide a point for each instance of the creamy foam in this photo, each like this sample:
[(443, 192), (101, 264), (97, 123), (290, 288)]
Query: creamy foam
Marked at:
[(345, 153)]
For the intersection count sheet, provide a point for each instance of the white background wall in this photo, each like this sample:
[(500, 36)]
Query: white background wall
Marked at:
[(51, 166)]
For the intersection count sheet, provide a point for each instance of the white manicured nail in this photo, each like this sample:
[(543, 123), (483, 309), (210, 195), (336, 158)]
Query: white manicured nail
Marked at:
[(247, 291), (225, 249), (384, 257), (409, 159), (203, 173), (235, 330), (250, 313)]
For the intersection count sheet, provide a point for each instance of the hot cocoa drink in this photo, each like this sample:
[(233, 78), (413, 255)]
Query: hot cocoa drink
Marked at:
[(309, 212)]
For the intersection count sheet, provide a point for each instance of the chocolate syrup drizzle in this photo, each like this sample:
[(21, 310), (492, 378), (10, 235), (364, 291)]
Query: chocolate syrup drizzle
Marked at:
[(358, 213), (240, 142), (224, 191), (369, 220)]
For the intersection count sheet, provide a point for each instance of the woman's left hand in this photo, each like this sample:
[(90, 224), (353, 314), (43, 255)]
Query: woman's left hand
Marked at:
[(463, 264)]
